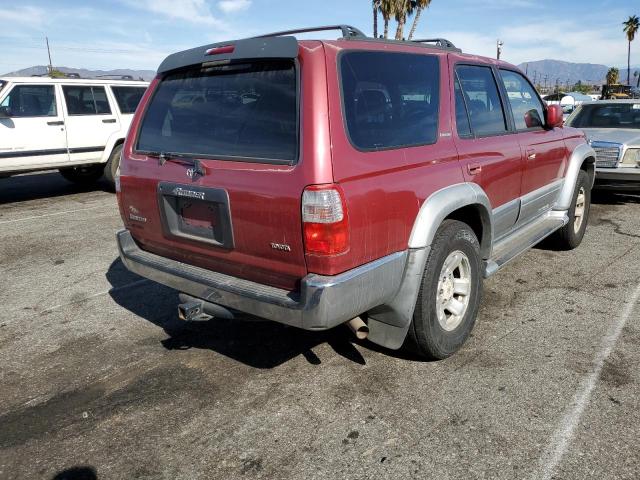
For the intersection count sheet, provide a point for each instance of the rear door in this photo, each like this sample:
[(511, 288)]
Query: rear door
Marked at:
[(543, 151), (32, 130), (488, 150), (90, 121)]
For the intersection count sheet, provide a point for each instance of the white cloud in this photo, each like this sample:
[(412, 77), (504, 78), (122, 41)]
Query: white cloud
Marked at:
[(232, 6), (194, 11), (28, 16)]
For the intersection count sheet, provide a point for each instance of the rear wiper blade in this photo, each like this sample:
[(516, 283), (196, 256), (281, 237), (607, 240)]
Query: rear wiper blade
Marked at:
[(164, 157)]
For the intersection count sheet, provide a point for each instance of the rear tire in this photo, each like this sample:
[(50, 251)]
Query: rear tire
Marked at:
[(449, 296), (570, 236), (112, 168), (83, 175)]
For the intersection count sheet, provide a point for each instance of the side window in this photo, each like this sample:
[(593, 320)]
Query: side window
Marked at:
[(462, 118), (128, 98), (83, 100), (390, 99), (482, 99), (526, 106), (30, 101)]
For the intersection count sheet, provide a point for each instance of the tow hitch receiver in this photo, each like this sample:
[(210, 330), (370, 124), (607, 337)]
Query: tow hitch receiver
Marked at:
[(192, 312)]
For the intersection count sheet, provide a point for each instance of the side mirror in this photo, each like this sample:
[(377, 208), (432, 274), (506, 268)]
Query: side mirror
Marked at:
[(5, 112), (554, 116), (532, 119)]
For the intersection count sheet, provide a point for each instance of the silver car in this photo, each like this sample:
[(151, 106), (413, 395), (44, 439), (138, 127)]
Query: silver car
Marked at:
[(613, 130)]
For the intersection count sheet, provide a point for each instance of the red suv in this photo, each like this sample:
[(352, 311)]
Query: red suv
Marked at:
[(362, 181)]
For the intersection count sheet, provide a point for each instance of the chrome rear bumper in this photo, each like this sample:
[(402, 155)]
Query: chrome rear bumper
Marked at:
[(322, 302)]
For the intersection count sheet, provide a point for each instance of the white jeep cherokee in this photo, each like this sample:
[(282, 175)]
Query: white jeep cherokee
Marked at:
[(75, 125)]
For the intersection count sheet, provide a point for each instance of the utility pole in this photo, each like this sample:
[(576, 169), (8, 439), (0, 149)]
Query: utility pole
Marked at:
[(499, 44), (49, 53)]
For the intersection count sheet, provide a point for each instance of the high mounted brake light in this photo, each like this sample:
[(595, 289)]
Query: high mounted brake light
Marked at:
[(220, 50), (325, 221)]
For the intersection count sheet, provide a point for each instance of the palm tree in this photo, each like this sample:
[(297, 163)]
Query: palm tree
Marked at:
[(631, 26), (376, 8), (404, 8), (387, 9), (420, 5), (612, 76)]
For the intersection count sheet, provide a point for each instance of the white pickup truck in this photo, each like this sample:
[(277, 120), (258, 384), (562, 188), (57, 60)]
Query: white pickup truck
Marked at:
[(74, 125)]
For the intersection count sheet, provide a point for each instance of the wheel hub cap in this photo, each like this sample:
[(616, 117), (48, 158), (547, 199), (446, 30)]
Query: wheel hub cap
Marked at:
[(578, 212), (454, 289)]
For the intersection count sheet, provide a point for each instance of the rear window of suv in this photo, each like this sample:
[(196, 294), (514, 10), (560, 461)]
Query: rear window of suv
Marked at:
[(390, 99), (128, 98), (237, 112)]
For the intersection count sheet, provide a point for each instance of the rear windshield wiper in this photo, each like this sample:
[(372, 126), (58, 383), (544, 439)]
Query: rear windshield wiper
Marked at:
[(164, 157)]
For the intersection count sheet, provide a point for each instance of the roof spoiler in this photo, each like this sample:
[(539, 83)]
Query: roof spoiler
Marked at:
[(270, 46)]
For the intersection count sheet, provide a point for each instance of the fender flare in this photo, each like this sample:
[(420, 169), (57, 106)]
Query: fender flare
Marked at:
[(111, 143), (582, 153), (441, 204)]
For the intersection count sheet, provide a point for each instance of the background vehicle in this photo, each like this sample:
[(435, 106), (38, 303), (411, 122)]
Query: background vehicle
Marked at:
[(371, 182), (75, 125), (619, 92), (613, 129)]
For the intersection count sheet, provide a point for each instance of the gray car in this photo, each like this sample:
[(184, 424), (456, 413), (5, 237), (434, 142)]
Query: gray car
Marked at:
[(613, 130)]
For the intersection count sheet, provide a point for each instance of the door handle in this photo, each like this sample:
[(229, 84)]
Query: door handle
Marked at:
[(531, 154), (56, 122), (474, 168), (109, 120)]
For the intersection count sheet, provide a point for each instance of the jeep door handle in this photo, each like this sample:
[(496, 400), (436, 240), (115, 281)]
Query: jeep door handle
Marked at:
[(56, 122), (474, 168), (531, 154), (109, 120)]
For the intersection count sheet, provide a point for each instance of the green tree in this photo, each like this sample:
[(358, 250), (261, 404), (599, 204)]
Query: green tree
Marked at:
[(57, 74), (420, 5), (387, 10), (612, 76), (404, 9), (581, 87), (631, 27), (376, 9)]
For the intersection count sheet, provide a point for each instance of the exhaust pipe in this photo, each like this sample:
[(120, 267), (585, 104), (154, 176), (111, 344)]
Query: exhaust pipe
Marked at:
[(359, 328)]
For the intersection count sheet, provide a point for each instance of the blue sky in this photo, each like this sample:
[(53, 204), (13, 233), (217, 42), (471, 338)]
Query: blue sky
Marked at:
[(140, 33)]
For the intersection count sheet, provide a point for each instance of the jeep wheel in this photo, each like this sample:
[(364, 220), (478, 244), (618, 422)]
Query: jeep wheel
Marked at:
[(570, 236), (112, 168), (82, 175), (449, 296)]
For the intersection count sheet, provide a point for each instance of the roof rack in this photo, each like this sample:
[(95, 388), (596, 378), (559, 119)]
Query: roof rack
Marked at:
[(439, 42), (347, 31), (117, 77)]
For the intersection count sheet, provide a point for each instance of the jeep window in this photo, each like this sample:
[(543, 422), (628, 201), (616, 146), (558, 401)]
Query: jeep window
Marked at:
[(390, 99), (238, 112), (83, 100), (482, 100), (30, 101), (522, 98), (128, 98), (607, 115)]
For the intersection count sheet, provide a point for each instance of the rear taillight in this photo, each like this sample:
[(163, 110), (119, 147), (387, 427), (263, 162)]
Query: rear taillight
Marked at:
[(325, 221)]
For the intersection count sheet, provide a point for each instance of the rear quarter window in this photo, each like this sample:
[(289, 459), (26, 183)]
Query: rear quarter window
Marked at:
[(128, 98), (390, 99)]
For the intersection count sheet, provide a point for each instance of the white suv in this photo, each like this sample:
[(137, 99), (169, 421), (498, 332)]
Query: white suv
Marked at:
[(75, 125)]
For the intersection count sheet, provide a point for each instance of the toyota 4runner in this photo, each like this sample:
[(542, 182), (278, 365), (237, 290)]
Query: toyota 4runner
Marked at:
[(361, 181)]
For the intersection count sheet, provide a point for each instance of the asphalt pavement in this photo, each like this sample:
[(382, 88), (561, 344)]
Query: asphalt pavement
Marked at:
[(100, 380)]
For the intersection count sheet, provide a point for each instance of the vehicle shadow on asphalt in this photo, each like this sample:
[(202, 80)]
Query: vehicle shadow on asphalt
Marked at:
[(252, 341), (77, 473), (606, 197), (43, 185)]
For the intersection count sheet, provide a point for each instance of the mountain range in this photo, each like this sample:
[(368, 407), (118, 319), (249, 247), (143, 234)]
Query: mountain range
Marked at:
[(83, 72), (563, 72), (553, 70)]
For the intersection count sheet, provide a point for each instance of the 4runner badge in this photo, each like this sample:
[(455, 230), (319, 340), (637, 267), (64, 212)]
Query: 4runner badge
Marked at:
[(181, 192)]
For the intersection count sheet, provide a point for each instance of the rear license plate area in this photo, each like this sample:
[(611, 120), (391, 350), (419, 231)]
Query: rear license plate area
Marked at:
[(199, 214)]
